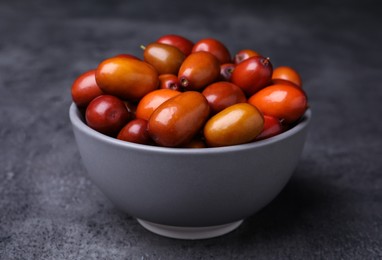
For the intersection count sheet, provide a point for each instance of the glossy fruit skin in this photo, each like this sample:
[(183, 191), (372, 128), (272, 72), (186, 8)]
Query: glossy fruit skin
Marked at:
[(199, 70), (179, 119), (252, 74), (169, 81), (107, 114), (226, 70), (222, 94), (237, 124), (285, 102), (128, 56), (215, 47), (166, 59), (288, 74), (135, 131), (183, 44), (272, 127), (152, 101), (126, 78), (244, 54), (85, 89)]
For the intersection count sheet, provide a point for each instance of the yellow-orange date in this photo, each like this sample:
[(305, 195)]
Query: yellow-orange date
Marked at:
[(237, 124)]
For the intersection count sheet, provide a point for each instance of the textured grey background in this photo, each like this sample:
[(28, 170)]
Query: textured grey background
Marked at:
[(331, 208)]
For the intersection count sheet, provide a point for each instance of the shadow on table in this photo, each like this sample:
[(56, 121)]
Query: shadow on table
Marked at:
[(308, 204), (302, 199)]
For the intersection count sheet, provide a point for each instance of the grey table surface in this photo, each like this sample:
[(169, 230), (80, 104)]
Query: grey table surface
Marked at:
[(330, 209)]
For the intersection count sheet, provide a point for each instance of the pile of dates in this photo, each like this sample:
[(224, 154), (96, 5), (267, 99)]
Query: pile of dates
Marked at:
[(190, 95)]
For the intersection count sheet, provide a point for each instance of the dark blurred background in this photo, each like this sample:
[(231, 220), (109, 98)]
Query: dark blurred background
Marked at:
[(330, 209)]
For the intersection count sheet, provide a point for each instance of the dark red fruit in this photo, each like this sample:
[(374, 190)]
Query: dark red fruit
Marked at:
[(215, 47), (272, 127), (252, 74), (221, 95), (135, 131), (180, 42), (85, 89), (107, 114), (169, 81)]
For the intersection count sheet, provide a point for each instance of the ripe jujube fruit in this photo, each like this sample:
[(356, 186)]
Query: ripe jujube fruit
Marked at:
[(215, 47), (221, 95), (183, 44), (152, 101), (252, 74), (126, 78), (285, 102), (175, 122), (135, 131), (85, 89), (244, 54), (166, 59), (272, 127), (169, 81), (288, 74), (237, 124), (107, 114), (199, 70)]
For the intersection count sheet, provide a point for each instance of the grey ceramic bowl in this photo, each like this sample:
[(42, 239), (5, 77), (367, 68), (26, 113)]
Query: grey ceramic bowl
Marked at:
[(189, 193)]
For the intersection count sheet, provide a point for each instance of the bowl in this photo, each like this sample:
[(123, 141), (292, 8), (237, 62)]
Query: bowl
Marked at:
[(189, 193)]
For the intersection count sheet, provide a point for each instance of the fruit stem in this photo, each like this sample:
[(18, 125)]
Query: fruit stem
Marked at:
[(266, 61), (184, 82), (173, 86), (143, 47)]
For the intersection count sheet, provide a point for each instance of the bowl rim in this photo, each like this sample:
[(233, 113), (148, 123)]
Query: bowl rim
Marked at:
[(75, 118)]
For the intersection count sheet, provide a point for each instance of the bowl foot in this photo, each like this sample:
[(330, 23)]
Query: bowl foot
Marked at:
[(189, 232)]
